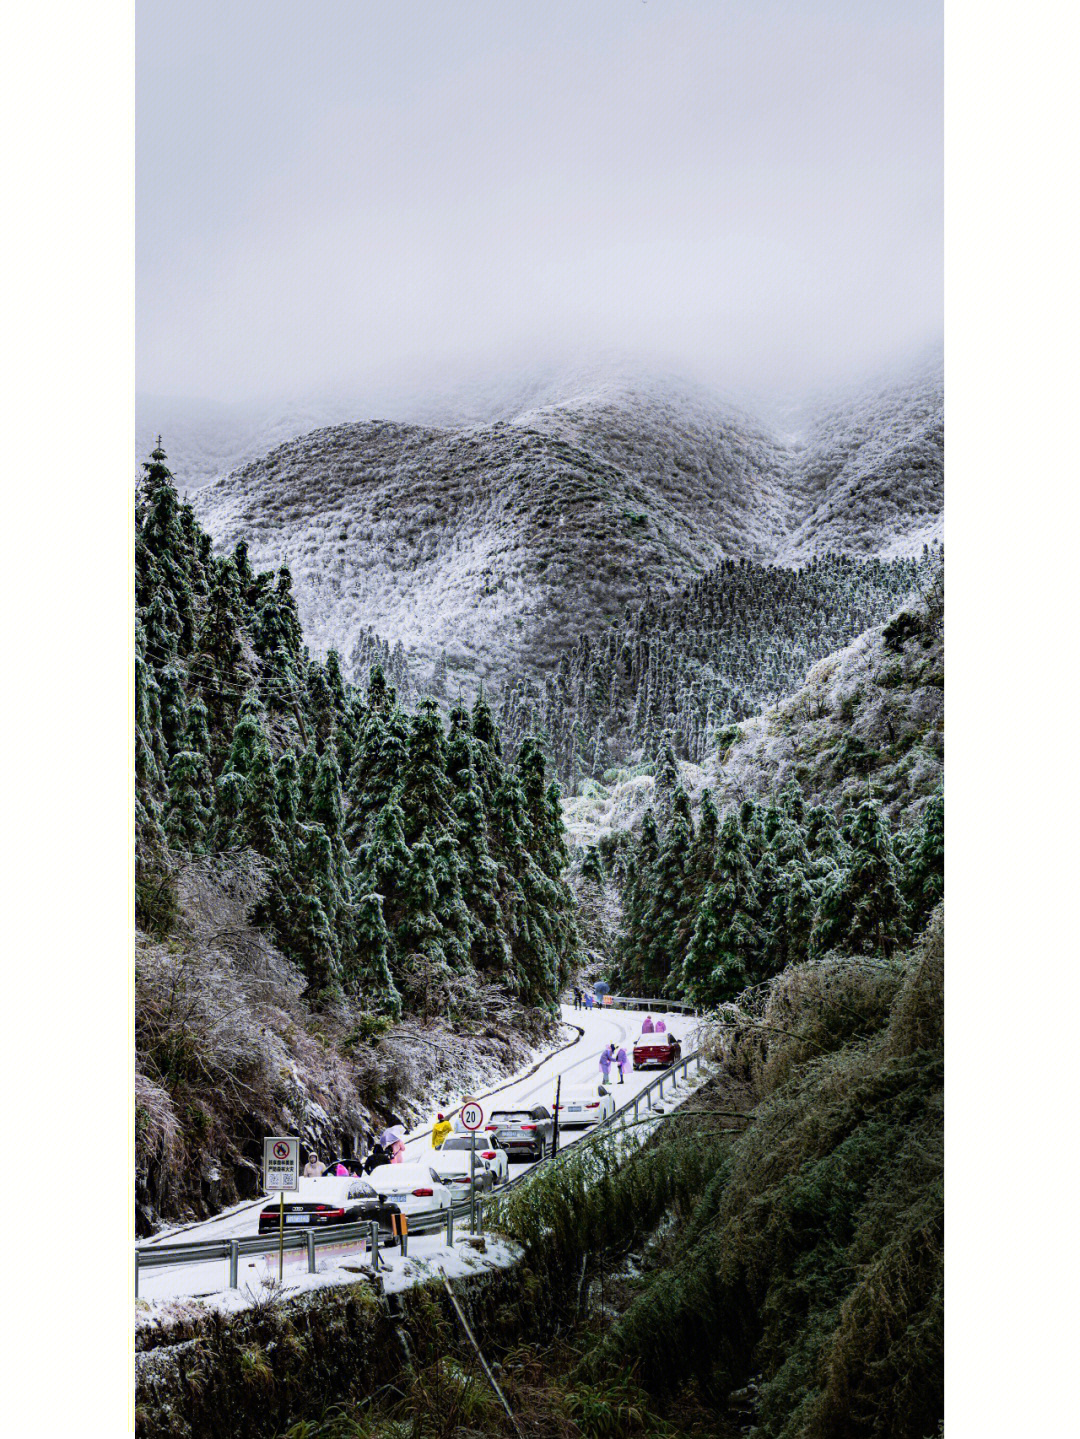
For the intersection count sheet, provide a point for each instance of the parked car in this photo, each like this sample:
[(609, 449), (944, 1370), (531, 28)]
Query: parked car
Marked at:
[(662, 1050), (325, 1199), (488, 1150), (455, 1171), (414, 1188), (588, 1104), (523, 1133)]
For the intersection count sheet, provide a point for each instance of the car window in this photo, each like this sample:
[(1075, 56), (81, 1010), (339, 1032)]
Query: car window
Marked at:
[(512, 1116)]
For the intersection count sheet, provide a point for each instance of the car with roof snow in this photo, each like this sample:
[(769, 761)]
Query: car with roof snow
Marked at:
[(456, 1171), (327, 1199), (414, 1188), (488, 1152), (583, 1105)]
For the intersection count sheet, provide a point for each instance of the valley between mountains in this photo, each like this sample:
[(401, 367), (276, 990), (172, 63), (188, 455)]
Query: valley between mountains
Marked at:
[(435, 721)]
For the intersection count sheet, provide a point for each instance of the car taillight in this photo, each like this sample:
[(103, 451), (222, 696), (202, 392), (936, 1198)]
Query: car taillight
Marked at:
[(325, 1212), (593, 1106), (423, 1193), (528, 1126), (490, 1128), (325, 1209), (488, 1154)]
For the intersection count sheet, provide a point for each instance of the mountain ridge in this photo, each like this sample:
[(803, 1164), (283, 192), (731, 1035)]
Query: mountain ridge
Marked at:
[(479, 546)]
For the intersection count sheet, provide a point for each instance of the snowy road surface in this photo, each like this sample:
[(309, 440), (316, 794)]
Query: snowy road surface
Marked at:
[(577, 1065)]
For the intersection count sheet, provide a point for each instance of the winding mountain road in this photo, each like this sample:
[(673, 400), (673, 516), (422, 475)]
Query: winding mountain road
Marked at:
[(578, 1064)]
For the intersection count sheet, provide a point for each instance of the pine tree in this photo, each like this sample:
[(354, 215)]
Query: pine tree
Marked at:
[(924, 862), (425, 794), (369, 973), (187, 816), (862, 908), (720, 960), (260, 823)]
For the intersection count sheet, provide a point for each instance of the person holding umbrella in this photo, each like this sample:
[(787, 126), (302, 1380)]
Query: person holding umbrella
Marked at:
[(393, 1141)]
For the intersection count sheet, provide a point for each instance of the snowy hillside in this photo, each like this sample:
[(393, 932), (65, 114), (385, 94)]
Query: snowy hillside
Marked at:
[(868, 720), (490, 545), (873, 469)]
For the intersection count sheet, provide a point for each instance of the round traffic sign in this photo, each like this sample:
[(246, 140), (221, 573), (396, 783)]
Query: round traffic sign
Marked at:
[(472, 1115), (281, 1150)]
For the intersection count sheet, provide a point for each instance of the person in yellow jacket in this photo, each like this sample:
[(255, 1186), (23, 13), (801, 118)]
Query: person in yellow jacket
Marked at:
[(440, 1131)]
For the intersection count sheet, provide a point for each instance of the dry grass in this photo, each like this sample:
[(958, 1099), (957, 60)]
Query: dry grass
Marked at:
[(228, 1050)]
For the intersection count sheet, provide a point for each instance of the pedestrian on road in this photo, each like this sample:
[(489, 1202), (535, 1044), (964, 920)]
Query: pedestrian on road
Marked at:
[(648, 1026), (588, 1000), (314, 1167), (660, 1026), (441, 1130), (605, 1065), (377, 1156), (577, 997), (621, 1061)]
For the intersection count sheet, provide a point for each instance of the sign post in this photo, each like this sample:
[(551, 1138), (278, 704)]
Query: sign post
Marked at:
[(281, 1171), (472, 1116), (555, 1126)]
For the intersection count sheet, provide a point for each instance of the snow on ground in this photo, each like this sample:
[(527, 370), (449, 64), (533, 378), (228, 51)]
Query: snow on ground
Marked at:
[(160, 1290)]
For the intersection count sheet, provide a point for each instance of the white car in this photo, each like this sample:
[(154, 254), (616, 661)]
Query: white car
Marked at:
[(414, 1188), (488, 1152), (454, 1171), (588, 1104)]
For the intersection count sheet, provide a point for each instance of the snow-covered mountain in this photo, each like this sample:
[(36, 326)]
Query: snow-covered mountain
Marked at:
[(493, 542)]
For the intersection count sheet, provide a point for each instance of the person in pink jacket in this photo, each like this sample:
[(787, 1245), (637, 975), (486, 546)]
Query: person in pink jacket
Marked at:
[(660, 1026), (622, 1061), (647, 1027)]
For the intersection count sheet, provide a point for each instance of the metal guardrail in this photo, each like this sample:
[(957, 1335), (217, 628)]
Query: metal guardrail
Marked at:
[(619, 1118), (662, 1006), (196, 1251)]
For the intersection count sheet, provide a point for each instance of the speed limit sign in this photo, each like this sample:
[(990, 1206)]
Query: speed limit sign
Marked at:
[(472, 1116)]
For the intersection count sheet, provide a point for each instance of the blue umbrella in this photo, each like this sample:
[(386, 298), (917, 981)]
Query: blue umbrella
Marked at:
[(601, 988)]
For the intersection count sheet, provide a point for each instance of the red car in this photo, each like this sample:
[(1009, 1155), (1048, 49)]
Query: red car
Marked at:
[(661, 1049)]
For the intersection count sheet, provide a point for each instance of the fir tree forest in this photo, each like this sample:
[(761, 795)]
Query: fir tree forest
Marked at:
[(720, 907), (390, 839), (686, 668)]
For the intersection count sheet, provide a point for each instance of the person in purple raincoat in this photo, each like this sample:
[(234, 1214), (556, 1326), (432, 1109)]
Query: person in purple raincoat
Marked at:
[(605, 1064), (647, 1027), (622, 1061), (661, 1027)]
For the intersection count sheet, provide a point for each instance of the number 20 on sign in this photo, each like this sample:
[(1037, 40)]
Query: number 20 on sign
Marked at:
[(472, 1115)]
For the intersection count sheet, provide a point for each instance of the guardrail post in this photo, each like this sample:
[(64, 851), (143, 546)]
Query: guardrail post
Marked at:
[(479, 1215), (661, 1089), (450, 1226), (234, 1264), (373, 1230), (136, 1274), (403, 1230), (311, 1251)]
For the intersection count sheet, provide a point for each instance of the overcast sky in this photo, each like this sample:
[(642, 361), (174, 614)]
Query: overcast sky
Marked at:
[(330, 192)]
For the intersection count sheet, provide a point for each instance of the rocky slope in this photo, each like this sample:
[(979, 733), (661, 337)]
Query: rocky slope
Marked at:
[(489, 544)]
